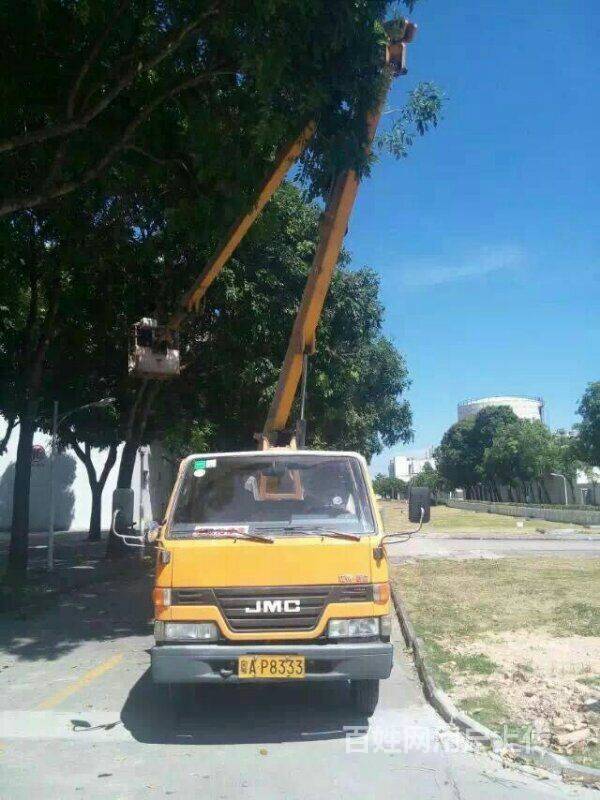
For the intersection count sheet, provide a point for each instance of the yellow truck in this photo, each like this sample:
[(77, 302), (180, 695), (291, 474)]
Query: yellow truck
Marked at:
[(271, 564), (270, 567)]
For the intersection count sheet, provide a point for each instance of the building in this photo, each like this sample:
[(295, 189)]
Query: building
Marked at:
[(524, 407), (406, 467)]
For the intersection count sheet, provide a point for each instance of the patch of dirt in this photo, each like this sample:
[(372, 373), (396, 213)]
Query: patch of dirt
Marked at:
[(538, 679)]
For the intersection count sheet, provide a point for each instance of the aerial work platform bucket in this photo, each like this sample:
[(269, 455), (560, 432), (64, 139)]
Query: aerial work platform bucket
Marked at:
[(153, 351)]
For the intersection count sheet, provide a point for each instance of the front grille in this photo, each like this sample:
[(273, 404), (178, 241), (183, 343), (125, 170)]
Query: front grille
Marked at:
[(285, 608)]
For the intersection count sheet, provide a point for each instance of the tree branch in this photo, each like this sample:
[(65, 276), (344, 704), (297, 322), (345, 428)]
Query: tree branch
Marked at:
[(32, 201), (93, 55), (108, 465), (9, 429), (85, 457), (171, 43)]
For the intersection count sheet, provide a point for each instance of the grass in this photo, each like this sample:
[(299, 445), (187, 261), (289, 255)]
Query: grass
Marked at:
[(454, 520), (455, 602), (592, 680), (469, 598), (442, 661)]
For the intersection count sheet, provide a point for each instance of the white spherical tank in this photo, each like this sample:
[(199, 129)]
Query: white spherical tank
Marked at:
[(524, 407)]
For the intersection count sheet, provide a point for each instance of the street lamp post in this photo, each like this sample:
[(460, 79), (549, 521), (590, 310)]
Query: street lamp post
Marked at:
[(50, 550), (558, 475), (56, 421)]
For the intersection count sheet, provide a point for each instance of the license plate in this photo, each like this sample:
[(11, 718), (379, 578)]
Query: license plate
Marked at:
[(287, 667)]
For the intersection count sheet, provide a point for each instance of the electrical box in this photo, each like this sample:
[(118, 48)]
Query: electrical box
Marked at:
[(153, 350)]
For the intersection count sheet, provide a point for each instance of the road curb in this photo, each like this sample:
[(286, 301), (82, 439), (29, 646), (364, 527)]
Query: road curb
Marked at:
[(475, 730)]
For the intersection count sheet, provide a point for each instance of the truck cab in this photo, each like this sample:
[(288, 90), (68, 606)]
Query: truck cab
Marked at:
[(268, 569)]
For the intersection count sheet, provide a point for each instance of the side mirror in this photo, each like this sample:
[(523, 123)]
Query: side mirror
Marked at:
[(419, 504)]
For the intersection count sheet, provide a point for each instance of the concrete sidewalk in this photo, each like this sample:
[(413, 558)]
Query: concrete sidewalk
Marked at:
[(420, 546)]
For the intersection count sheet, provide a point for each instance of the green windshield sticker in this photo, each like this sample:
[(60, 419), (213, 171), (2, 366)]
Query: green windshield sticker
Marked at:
[(200, 463)]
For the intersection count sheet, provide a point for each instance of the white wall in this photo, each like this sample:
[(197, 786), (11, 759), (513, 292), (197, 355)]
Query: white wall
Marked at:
[(73, 496)]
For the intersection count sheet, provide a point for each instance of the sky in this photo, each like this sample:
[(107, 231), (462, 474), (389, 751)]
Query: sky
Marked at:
[(487, 237)]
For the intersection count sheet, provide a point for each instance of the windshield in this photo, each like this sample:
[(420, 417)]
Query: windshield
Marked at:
[(282, 495)]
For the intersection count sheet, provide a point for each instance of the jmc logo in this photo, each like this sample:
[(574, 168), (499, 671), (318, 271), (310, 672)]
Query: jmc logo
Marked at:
[(274, 607)]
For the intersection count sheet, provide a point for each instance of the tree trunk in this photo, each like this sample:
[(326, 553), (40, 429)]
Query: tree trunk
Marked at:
[(127, 464), (19, 534), (95, 532), (546, 494), (97, 484), (37, 335)]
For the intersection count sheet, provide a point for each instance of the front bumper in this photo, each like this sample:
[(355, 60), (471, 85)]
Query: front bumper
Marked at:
[(217, 663)]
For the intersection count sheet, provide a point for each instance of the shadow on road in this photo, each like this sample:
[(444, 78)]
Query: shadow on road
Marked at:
[(238, 714), (114, 608)]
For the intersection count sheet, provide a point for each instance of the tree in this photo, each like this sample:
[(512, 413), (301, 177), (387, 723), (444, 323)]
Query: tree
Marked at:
[(536, 448), (389, 488), (94, 89), (169, 114), (460, 457), (454, 456), (33, 270), (488, 422), (589, 428), (428, 477)]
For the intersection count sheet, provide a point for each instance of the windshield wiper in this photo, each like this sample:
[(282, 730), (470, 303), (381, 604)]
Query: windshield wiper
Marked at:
[(253, 537), (353, 537)]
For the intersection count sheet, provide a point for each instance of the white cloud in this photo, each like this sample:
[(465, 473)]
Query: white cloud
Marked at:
[(488, 260)]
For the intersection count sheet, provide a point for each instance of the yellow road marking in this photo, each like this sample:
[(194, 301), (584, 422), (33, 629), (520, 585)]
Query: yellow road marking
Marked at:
[(85, 680)]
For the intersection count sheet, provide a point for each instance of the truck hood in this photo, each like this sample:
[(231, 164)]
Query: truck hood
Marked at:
[(289, 561)]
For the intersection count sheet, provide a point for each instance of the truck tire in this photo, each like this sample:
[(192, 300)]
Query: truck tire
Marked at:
[(365, 696)]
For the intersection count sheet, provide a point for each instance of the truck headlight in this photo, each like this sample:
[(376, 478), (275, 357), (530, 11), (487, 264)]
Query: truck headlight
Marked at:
[(353, 628), (185, 631)]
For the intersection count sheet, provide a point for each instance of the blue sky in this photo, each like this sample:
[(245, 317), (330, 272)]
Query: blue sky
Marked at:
[(487, 238)]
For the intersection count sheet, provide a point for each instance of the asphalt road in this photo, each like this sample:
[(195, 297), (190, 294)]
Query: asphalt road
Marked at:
[(80, 718)]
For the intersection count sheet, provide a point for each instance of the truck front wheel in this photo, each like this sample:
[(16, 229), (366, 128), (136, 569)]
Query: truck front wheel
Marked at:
[(365, 695)]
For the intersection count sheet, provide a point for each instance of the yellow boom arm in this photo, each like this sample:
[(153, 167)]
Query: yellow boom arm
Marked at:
[(331, 235), (241, 226)]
